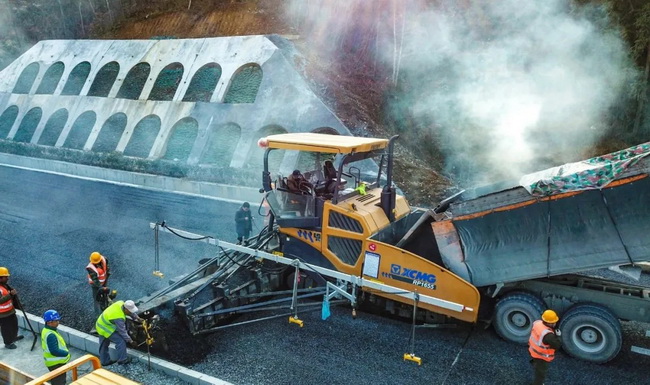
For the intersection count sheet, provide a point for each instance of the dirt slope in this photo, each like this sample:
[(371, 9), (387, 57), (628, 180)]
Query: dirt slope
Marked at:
[(354, 92)]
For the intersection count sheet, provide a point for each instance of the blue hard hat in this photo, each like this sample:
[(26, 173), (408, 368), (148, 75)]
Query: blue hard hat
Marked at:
[(51, 315)]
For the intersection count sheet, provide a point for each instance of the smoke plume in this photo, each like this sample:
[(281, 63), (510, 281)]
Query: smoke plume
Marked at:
[(505, 87)]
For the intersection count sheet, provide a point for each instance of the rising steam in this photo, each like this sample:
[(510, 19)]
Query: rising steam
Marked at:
[(507, 87)]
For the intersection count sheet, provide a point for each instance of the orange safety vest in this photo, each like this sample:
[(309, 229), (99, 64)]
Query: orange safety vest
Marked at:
[(6, 306), (100, 271), (536, 346)]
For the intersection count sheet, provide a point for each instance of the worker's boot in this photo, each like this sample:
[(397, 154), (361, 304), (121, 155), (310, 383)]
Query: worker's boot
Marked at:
[(11, 346), (93, 331)]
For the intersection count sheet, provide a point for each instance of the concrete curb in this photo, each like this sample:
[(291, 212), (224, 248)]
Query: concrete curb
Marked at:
[(225, 192), (90, 344)]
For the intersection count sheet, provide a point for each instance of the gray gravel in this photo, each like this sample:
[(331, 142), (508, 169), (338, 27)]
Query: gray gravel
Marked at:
[(50, 224)]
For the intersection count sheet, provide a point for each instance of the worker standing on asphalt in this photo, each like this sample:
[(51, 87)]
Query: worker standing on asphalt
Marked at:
[(544, 341), (55, 351), (111, 326), (8, 319), (98, 274), (243, 223)]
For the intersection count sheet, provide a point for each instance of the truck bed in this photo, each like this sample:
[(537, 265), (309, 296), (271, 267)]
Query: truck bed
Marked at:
[(510, 235)]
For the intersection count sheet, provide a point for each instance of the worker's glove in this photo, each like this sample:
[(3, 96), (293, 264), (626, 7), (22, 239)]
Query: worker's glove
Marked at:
[(558, 332), (133, 344)]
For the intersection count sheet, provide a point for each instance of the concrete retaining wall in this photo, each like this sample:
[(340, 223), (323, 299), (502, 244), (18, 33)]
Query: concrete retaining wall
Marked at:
[(218, 191)]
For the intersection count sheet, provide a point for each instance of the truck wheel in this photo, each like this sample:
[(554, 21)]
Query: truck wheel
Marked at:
[(591, 333), (514, 315)]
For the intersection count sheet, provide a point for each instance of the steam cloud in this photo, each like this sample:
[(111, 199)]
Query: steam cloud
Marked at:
[(507, 87)]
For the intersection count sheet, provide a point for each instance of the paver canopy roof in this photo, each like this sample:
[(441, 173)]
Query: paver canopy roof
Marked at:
[(336, 144)]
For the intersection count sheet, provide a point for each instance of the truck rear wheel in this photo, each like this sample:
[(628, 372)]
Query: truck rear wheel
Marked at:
[(591, 333), (514, 315)]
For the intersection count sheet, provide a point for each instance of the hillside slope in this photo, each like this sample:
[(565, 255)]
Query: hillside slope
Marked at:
[(354, 92)]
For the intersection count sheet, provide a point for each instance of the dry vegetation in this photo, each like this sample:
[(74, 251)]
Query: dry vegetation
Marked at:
[(356, 92)]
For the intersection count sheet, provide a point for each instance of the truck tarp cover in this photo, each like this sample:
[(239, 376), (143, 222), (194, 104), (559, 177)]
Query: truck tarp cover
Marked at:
[(592, 229)]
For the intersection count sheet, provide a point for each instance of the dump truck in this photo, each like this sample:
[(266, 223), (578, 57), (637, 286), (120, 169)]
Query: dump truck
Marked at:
[(501, 254)]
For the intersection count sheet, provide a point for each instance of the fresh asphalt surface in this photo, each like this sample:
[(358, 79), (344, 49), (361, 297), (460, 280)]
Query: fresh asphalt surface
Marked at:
[(49, 225)]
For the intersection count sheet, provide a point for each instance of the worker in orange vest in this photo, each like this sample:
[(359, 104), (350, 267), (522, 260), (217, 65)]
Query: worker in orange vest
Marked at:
[(8, 319), (98, 274), (543, 342)]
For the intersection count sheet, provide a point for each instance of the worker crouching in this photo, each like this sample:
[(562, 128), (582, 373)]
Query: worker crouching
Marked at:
[(543, 342), (111, 327)]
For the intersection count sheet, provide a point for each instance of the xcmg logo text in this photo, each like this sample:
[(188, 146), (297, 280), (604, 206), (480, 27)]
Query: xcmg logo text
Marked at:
[(412, 276)]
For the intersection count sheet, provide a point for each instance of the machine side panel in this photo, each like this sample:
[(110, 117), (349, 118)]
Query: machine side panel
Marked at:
[(405, 270)]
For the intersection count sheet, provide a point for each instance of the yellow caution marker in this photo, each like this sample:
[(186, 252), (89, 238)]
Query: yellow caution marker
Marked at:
[(158, 274), (412, 357), (295, 320)]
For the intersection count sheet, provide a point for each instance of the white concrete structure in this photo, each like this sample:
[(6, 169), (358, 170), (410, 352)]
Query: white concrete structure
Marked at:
[(191, 100)]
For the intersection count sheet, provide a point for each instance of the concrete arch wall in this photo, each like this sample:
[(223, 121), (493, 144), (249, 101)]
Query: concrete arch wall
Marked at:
[(283, 99)]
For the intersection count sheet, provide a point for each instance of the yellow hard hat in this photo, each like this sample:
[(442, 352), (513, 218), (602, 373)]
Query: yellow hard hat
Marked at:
[(549, 316), (4, 272), (95, 257)]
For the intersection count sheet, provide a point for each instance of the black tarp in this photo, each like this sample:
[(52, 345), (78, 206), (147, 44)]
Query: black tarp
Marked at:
[(592, 229)]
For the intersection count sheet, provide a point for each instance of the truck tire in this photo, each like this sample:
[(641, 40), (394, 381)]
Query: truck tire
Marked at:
[(514, 315), (591, 332)]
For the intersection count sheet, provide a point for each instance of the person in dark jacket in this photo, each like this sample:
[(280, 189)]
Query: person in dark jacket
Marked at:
[(243, 223), (55, 351), (544, 341)]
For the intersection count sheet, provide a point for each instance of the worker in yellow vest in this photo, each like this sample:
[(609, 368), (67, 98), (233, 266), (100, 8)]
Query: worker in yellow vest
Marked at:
[(111, 327), (543, 342), (55, 351)]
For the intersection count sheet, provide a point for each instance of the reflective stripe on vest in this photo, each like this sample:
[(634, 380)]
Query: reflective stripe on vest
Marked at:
[(104, 325), (536, 346), (50, 359), (7, 305), (101, 271)]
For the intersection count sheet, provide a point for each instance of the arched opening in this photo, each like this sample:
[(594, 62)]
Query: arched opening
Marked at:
[(134, 81), (28, 125), (80, 131), (256, 154), (53, 128), (76, 79), (221, 145), (104, 80), (310, 160), (51, 79), (26, 79), (203, 83), (325, 130), (110, 133), (167, 82), (7, 120), (244, 84), (143, 137), (181, 140)]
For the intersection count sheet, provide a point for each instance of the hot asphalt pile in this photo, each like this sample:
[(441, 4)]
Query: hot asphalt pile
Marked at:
[(50, 224)]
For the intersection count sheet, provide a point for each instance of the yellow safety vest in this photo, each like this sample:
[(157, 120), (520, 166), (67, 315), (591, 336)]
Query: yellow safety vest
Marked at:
[(104, 325), (50, 359)]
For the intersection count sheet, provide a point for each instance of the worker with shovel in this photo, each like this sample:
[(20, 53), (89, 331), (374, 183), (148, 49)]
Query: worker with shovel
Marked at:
[(8, 319), (98, 273)]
